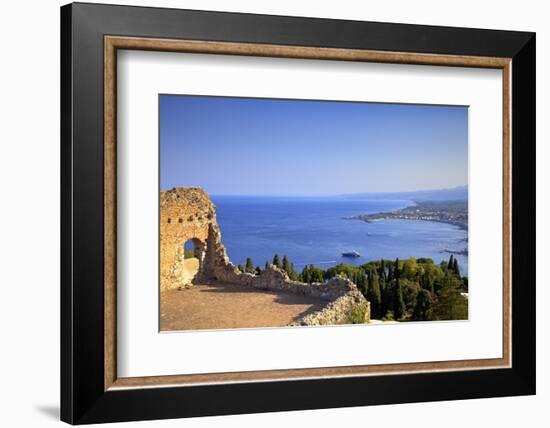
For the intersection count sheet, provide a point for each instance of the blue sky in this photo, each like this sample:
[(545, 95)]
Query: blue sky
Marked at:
[(248, 146)]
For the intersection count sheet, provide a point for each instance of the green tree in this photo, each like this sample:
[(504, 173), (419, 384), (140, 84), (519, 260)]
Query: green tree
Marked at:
[(266, 265), (360, 279), (387, 297), (382, 282), (249, 265), (382, 272), (465, 283), (450, 304), (388, 316), (398, 303), (423, 308), (276, 261), (410, 292), (432, 273), (396, 273), (188, 254), (286, 265), (305, 274), (374, 295), (293, 274), (258, 270), (349, 271), (317, 274), (437, 285), (311, 274), (455, 267), (410, 268), (450, 263)]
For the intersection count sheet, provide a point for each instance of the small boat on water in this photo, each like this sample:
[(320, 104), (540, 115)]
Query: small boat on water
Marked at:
[(354, 254)]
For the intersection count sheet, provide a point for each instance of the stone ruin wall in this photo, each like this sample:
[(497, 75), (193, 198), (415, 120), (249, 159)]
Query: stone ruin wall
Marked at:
[(184, 214), (188, 213)]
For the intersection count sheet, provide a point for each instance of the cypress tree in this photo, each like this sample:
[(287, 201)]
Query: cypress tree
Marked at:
[(382, 269), (450, 264), (374, 296), (388, 297), (293, 274), (286, 265), (249, 265), (455, 267), (361, 281), (383, 287), (305, 274), (382, 283), (266, 265), (276, 260), (399, 303), (465, 283), (396, 271)]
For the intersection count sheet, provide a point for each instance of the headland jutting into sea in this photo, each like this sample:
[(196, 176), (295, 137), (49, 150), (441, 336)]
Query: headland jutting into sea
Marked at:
[(450, 212)]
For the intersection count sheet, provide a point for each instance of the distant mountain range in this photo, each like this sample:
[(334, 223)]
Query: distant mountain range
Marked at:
[(451, 194)]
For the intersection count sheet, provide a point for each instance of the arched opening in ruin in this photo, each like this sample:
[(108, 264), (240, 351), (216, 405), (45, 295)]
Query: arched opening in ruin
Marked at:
[(193, 255)]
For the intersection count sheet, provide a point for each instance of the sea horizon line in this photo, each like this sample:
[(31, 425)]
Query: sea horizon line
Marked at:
[(330, 195)]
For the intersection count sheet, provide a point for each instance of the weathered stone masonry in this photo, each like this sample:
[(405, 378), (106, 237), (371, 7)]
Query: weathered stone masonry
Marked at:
[(184, 214), (188, 213)]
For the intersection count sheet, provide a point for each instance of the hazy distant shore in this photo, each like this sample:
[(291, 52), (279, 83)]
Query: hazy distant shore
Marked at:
[(449, 212)]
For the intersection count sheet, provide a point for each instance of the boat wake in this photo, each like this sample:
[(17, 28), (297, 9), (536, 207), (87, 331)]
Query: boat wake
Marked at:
[(324, 262)]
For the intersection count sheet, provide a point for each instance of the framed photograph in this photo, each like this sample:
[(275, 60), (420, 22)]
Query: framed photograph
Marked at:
[(266, 213)]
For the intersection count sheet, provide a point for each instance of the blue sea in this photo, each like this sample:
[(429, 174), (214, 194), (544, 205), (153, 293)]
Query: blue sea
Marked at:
[(314, 231)]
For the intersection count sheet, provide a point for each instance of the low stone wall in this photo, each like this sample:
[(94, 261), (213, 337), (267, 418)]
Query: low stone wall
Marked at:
[(342, 295), (350, 307)]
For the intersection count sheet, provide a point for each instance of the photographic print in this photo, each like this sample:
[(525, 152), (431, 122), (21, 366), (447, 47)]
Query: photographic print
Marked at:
[(283, 212), (298, 183)]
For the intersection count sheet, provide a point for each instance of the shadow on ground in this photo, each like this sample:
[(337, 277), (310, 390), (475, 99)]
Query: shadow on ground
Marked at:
[(51, 411), (281, 298)]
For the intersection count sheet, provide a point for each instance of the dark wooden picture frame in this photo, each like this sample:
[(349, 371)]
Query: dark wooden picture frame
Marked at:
[(90, 389)]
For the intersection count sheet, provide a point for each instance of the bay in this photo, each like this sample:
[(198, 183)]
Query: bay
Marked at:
[(314, 230)]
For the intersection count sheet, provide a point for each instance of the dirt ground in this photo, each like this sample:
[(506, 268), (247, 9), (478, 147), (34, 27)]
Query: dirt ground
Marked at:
[(231, 306), (190, 269)]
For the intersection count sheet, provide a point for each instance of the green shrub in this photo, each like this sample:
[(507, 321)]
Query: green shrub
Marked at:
[(357, 314), (188, 254), (388, 316)]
